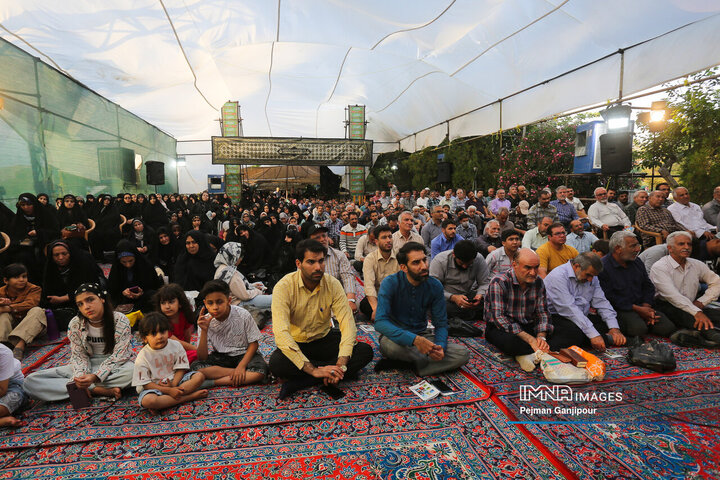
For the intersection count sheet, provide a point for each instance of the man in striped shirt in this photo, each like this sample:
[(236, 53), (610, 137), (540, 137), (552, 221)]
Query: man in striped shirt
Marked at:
[(336, 264), (350, 234)]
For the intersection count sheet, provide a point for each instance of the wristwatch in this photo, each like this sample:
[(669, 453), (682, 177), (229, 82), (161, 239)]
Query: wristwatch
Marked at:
[(343, 368), (351, 300)]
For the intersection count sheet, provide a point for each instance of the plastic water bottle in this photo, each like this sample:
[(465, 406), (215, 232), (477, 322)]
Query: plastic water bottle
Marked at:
[(52, 329)]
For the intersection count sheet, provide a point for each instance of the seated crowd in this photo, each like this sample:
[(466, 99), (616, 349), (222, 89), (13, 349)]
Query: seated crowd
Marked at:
[(542, 277)]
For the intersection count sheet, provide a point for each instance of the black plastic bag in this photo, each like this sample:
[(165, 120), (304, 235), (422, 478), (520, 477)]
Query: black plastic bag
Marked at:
[(460, 328), (653, 355)]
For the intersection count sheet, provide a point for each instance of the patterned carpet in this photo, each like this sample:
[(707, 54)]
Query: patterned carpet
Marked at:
[(664, 426)]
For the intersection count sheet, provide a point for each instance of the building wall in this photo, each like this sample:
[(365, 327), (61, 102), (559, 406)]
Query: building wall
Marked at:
[(59, 137)]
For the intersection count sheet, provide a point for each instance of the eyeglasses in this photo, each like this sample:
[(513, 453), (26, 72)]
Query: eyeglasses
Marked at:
[(559, 234)]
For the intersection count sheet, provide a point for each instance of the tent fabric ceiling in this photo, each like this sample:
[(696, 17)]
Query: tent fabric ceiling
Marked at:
[(418, 65)]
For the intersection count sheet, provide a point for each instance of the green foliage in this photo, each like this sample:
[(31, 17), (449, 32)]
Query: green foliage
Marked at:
[(383, 172), (546, 151), (690, 140)]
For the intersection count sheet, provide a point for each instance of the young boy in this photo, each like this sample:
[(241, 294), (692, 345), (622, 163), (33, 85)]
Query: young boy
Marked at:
[(12, 395), (231, 332), (21, 318), (162, 375)]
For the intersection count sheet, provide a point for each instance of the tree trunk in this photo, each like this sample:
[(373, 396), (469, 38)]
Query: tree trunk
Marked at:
[(664, 171)]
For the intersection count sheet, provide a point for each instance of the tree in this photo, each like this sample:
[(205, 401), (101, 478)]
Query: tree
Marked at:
[(690, 140), (545, 151)]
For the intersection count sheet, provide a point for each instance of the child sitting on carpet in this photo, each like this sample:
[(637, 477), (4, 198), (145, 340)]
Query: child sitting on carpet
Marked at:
[(99, 351), (171, 301), (162, 375), (231, 332), (12, 395)]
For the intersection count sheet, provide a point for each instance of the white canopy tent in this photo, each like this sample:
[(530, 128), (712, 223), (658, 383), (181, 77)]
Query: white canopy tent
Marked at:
[(423, 68)]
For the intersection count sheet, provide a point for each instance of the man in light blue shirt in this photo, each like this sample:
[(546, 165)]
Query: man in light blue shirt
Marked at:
[(446, 240), (572, 289), (579, 239), (404, 300)]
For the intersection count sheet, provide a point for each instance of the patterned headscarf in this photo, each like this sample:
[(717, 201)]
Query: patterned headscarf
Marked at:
[(90, 288), (228, 257)]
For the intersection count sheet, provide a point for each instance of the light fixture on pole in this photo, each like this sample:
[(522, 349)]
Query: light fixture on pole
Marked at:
[(656, 119), (617, 118)]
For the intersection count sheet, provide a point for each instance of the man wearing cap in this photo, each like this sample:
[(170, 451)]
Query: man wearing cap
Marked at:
[(336, 263), (519, 216)]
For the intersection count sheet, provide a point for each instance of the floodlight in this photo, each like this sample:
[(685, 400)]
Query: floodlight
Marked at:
[(617, 118), (138, 161), (180, 162)]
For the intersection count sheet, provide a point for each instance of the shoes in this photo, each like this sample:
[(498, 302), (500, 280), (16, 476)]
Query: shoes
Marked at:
[(389, 364), (18, 353), (691, 338), (527, 362), (712, 335)]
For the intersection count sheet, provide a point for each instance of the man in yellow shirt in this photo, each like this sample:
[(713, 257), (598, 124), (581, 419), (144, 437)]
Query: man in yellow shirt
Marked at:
[(554, 253), (308, 352)]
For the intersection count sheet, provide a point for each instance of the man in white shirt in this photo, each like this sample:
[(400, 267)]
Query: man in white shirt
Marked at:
[(606, 216), (677, 278), (690, 215), (422, 201)]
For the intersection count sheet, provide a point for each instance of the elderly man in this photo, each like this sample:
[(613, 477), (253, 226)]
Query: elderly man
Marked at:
[(308, 351), (579, 239), (466, 229), (336, 263), (628, 288), (518, 322), (555, 252), (404, 300), (418, 215), (640, 198), (499, 201), (465, 277), (538, 236), (565, 210), (502, 218), (365, 246), (541, 209), (500, 260), (378, 265), (405, 233), (653, 217), (711, 210), (572, 290), (690, 215), (605, 216), (490, 239), (422, 200), (434, 227), (475, 218), (448, 199), (447, 240), (677, 279)]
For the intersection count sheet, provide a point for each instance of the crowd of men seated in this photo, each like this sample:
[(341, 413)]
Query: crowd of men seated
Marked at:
[(542, 273)]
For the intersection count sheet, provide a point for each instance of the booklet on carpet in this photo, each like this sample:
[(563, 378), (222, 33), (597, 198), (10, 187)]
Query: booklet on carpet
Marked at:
[(429, 390)]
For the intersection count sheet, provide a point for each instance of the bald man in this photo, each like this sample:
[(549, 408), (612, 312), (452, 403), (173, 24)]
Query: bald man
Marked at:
[(516, 311)]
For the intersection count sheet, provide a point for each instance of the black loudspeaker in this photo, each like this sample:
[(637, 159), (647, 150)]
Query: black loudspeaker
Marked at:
[(616, 152), (155, 173), (444, 172), (329, 182)]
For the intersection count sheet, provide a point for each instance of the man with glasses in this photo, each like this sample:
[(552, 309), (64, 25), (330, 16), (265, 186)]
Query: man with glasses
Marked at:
[(605, 216), (554, 253)]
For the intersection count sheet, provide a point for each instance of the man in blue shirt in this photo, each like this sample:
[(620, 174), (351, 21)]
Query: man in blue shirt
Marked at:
[(565, 210), (401, 318), (572, 290), (628, 288), (446, 240), (579, 239)]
